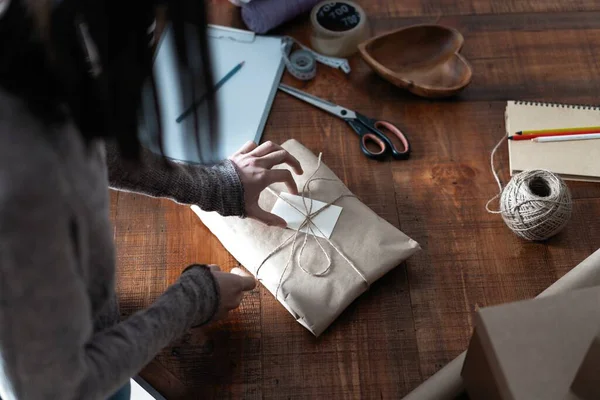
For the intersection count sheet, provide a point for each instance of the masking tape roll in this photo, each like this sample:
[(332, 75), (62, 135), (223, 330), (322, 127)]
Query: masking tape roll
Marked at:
[(338, 27), (302, 63)]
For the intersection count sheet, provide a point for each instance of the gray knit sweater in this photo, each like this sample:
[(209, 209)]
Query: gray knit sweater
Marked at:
[(60, 335)]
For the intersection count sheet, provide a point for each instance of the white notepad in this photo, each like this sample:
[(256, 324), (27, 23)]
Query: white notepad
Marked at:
[(244, 101), (572, 160), (141, 390)]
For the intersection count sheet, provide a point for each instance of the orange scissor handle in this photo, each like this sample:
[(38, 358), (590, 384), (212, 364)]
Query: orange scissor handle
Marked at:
[(396, 153), (374, 132)]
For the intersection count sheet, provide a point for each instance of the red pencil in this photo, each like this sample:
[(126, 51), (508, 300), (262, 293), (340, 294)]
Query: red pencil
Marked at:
[(529, 137)]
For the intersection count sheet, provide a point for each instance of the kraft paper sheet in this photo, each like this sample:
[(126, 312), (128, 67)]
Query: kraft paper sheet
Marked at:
[(446, 384), (371, 243)]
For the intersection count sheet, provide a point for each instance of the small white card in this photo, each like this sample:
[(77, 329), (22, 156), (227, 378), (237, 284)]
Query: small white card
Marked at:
[(325, 220)]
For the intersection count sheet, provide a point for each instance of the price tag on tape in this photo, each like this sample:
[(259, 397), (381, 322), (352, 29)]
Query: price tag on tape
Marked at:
[(302, 63)]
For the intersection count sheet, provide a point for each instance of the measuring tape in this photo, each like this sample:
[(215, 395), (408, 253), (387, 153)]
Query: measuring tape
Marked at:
[(302, 63), (338, 27)]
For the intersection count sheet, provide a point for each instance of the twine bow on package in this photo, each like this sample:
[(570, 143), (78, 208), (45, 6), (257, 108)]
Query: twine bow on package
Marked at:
[(314, 275)]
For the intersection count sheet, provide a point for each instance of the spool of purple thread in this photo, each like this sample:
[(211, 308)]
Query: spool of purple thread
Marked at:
[(261, 16)]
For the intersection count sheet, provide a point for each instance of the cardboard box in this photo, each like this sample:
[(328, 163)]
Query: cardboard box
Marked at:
[(447, 383), (534, 349)]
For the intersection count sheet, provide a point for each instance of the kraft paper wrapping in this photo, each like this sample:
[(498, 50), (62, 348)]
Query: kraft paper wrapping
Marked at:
[(370, 242), (446, 384)]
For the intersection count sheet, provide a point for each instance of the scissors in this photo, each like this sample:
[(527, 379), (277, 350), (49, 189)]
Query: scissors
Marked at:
[(369, 130)]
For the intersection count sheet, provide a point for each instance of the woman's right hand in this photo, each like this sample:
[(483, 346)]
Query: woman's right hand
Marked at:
[(254, 165), (232, 286)]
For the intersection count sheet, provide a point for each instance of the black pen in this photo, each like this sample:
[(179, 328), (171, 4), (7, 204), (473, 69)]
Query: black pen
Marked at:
[(217, 86)]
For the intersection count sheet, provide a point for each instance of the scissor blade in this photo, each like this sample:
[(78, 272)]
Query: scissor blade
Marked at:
[(324, 105)]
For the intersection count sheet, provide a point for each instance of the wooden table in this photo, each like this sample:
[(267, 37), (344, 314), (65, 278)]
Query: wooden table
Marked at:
[(418, 317)]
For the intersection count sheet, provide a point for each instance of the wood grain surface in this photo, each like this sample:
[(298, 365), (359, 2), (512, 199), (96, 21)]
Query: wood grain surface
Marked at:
[(419, 316)]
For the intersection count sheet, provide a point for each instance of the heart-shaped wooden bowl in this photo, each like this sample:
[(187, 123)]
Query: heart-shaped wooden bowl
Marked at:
[(424, 59)]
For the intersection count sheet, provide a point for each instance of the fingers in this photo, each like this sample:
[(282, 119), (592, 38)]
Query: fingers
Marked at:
[(265, 148), (240, 272), (232, 286), (247, 147), (248, 281), (280, 157), (266, 217), (285, 176)]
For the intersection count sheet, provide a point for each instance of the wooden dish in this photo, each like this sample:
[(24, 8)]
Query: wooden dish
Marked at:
[(424, 59)]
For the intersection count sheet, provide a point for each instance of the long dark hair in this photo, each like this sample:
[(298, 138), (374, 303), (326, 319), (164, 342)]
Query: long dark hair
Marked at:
[(45, 60)]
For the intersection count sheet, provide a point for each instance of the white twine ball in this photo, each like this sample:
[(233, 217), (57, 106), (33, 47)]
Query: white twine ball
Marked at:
[(536, 204)]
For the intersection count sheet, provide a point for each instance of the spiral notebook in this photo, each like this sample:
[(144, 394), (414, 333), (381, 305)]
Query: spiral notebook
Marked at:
[(573, 160)]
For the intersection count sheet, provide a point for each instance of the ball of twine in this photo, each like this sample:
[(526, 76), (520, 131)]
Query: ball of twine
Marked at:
[(535, 204)]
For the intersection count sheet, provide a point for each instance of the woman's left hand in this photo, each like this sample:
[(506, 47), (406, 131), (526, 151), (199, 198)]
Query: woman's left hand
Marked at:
[(254, 165)]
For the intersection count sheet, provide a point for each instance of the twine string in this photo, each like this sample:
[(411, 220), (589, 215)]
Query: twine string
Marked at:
[(514, 207), (311, 227), (527, 212)]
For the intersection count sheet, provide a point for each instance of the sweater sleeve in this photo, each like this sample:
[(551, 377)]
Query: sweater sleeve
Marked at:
[(48, 349), (216, 188)]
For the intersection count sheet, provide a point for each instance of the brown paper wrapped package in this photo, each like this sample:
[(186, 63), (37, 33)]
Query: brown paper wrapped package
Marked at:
[(370, 242)]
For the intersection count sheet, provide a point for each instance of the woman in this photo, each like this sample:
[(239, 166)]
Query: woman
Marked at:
[(70, 78)]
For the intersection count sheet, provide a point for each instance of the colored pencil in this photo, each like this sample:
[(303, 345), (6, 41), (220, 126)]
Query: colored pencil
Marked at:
[(530, 137), (562, 131), (217, 86), (565, 138)]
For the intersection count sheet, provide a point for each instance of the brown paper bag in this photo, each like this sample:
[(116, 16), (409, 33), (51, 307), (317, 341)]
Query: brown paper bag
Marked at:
[(370, 242)]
